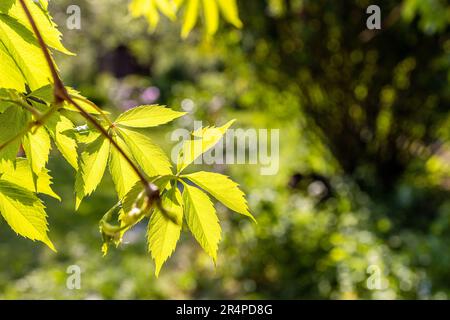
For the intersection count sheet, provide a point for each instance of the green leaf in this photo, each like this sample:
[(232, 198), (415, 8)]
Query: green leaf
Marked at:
[(148, 155), (211, 16), (230, 11), (148, 116), (24, 54), (24, 212), (85, 134), (163, 234), (223, 189), (14, 120), (37, 147), (91, 168), (191, 16), (122, 173), (146, 9), (47, 27), (167, 8), (13, 79), (60, 128), (10, 97), (149, 10), (201, 219), (203, 140), (22, 175)]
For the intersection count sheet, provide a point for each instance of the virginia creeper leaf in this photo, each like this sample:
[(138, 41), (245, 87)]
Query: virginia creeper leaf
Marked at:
[(91, 168), (14, 120), (122, 173), (230, 12), (148, 116), (148, 155), (47, 27), (201, 219), (163, 234), (202, 140), (223, 189), (24, 212), (22, 175), (211, 16), (37, 147), (19, 43), (60, 129), (191, 16)]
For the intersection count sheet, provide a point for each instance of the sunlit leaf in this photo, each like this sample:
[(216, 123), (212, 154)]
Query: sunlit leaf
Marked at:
[(24, 212), (211, 16), (91, 168), (13, 121), (163, 234), (202, 141), (147, 116), (21, 174), (148, 155), (60, 129), (37, 147), (223, 189), (190, 18), (122, 173), (201, 219)]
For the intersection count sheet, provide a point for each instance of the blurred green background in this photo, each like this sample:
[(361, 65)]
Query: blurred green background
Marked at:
[(364, 174)]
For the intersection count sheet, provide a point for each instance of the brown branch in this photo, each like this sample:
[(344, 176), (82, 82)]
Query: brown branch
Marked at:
[(60, 94)]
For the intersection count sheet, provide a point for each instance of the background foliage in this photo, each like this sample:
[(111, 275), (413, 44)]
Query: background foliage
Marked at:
[(365, 171)]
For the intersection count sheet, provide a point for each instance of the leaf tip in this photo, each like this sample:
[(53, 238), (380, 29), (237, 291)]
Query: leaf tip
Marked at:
[(49, 244)]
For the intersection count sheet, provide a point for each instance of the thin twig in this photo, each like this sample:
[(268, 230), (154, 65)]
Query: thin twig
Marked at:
[(97, 108), (24, 105)]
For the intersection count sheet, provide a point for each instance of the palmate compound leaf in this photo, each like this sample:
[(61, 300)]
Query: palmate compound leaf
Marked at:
[(138, 146), (21, 174), (148, 116), (24, 212), (93, 161), (202, 219), (223, 189), (163, 234), (19, 48), (202, 141)]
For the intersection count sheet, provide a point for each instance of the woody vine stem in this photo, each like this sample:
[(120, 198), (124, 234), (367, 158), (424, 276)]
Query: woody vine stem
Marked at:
[(61, 95)]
